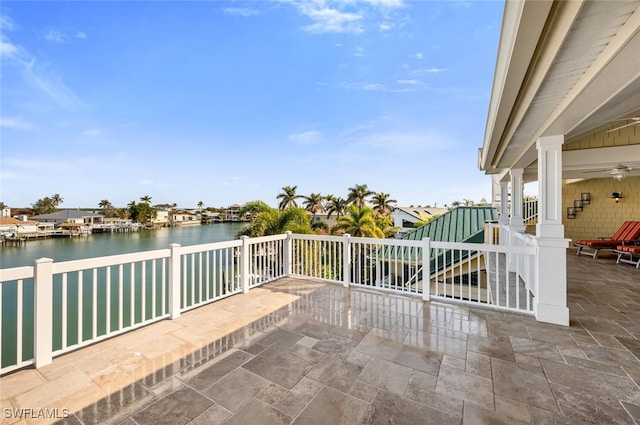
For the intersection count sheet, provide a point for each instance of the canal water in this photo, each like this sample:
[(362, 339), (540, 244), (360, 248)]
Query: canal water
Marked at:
[(98, 245)]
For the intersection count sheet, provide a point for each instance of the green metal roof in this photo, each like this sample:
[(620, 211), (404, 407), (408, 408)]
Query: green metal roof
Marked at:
[(461, 224)]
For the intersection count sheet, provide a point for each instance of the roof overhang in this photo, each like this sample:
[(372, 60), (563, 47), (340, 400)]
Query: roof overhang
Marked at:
[(563, 68)]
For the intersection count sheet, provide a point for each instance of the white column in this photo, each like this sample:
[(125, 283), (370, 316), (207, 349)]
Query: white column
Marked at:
[(550, 187), (517, 189), (550, 302)]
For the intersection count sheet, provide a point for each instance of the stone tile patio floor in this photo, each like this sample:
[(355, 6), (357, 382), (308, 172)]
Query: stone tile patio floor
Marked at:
[(322, 354)]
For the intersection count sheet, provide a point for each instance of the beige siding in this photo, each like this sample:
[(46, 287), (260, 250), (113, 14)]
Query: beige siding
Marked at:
[(602, 217), (601, 139)]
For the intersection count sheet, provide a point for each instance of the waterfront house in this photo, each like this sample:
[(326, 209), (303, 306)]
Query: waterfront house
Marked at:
[(162, 217), (70, 216), (184, 218), (18, 227), (406, 217), (232, 213)]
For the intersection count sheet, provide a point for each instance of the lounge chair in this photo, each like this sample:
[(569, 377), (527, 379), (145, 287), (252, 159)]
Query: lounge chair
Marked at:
[(630, 250), (628, 232)]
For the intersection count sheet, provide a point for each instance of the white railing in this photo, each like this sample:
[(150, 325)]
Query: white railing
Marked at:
[(529, 210), (477, 274), (51, 308)]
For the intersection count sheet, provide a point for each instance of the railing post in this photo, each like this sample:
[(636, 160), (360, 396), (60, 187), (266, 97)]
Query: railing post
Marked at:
[(244, 264), (426, 269), (174, 281), (346, 260), (288, 253), (43, 309)]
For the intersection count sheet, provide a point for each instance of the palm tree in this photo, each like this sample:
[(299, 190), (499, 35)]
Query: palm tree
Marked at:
[(106, 207), (382, 204), (335, 206), (3, 205), (314, 204), (274, 222), (360, 222), (455, 204), (254, 208), (467, 202), (57, 200), (146, 199), (358, 195), (105, 204), (288, 197)]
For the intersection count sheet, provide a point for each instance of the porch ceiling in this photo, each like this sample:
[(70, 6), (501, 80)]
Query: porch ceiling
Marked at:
[(563, 68)]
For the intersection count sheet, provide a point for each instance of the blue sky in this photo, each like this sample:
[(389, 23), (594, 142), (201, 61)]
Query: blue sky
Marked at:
[(227, 102)]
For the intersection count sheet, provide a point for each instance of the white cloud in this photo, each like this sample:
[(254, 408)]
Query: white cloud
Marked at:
[(410, 82), (56, 36), (15, 123), (41, 77), (327, 20), (418, 56), (93, 132), (7, 49), (359, 52), (421, 71), (6, 24), (245, 12), (347, 16), (5, 175), (391, 4), (307, 138), (81, 34)]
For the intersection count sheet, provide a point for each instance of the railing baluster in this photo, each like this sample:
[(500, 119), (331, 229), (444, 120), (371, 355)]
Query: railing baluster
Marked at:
[(132, 293), (143, 278), (19, 312), (120, 296), (94, 305), (64, 311), (154, 304), (107, 330), (80, 306)]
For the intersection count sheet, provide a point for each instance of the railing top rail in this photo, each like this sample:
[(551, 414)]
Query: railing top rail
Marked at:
[(268, 238), (15, 273), (110, 260), (316, 237), (390, 242), (190, 249), (485, 247)]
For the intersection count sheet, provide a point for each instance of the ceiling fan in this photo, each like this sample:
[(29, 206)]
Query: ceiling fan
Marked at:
[(618, 172), (634, 121)]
